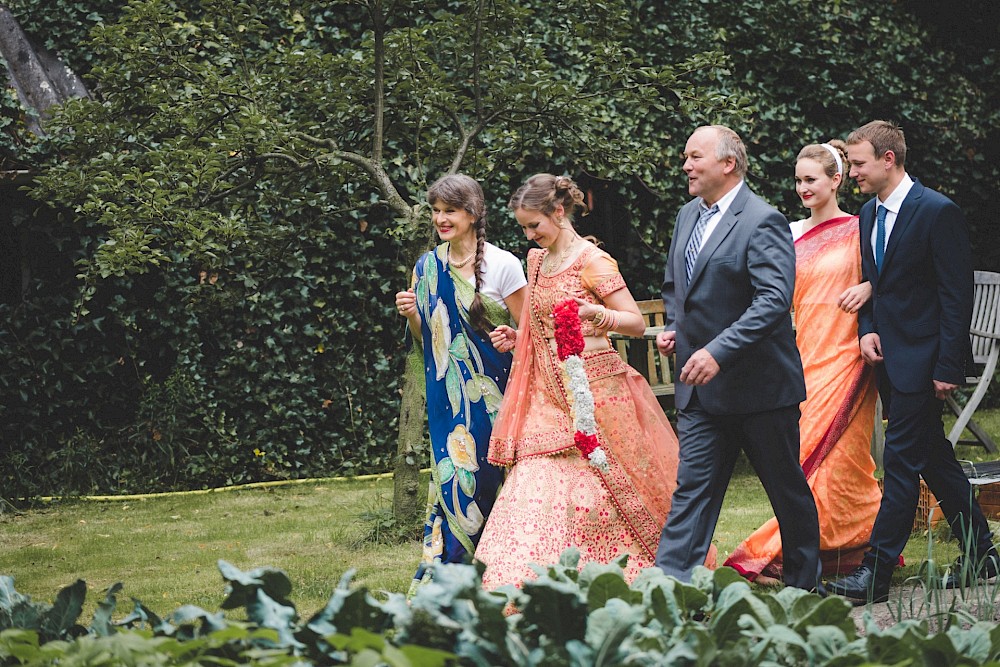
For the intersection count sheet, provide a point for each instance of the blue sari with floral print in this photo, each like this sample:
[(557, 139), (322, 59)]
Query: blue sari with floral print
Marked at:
[(465, 379)]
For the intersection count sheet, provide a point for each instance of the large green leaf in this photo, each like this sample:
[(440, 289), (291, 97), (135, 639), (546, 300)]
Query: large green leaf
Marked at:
[(102, 624), (348, 608), (609, 626), (973, 642), (243, 586), (735, 606), (826, 642), (8, 594), (554, 609), (833, 611), (269, 613), (60, 619), (605, 587)]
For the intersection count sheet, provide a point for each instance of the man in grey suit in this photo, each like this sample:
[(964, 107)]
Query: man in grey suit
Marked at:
[(727, 292)]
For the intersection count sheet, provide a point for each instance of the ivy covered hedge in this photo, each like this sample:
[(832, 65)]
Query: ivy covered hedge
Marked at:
[(564, 617), (274, 363)]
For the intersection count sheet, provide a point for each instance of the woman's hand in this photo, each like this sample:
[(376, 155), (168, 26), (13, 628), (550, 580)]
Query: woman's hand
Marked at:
[(406, 303), (852, 298), (587, 310), (503, 338)]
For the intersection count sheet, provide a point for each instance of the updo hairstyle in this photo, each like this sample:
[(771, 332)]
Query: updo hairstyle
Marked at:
[(545, 193), (825, 158)]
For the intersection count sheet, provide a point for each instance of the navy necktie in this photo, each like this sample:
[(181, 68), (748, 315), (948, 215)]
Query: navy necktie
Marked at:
[(880, 235), (694, 244)]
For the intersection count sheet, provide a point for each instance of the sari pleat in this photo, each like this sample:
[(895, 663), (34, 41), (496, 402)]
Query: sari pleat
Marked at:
[(465, 380), (839, 411)]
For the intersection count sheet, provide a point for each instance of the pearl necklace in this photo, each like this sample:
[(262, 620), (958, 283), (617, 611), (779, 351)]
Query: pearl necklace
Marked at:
[(462, 263)]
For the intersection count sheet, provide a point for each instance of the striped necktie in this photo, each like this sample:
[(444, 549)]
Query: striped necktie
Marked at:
[(694, 244)]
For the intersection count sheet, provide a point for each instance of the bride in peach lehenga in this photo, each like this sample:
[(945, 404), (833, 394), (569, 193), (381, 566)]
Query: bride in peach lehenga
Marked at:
[(553, 498)]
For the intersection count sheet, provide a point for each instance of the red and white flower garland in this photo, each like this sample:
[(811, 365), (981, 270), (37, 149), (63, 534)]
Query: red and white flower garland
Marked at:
[(569, 345)]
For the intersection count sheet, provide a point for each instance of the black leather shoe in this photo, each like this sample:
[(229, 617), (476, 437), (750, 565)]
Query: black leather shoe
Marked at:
[(864, 585), (964, 575)]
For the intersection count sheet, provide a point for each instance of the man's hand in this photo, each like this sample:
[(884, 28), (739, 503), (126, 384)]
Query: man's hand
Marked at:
[(666, 341), (943, 389), (871, 349), (700, 368)]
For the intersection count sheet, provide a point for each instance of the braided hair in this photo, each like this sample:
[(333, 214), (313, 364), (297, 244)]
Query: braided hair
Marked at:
[(463, 192)]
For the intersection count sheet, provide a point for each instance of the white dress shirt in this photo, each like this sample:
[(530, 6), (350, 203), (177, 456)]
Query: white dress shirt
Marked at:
[(723, 205), (892, 204)]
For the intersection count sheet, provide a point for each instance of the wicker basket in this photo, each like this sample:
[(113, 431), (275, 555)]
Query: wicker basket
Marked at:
[(928, 510)]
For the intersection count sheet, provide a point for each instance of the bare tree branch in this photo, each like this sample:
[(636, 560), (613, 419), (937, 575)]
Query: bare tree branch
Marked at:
[(379, 26)]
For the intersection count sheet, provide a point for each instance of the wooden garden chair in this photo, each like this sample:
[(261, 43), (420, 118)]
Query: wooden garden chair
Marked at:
[(985, 334)]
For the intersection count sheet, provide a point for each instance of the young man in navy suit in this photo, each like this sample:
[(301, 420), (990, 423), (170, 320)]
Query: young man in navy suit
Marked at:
[(915, 332)]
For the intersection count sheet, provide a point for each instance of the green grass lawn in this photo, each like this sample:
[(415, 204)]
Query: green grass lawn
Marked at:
[(165, 549)]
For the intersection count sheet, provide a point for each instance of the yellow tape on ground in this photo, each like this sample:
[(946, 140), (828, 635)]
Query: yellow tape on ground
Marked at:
[(221, 489)]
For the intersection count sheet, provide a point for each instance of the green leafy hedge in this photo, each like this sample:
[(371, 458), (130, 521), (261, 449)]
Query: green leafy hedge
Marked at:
[(271, 349), (564, 617), (269, 364)]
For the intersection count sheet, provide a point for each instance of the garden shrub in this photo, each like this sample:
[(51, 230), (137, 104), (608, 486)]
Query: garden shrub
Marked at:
[(563, 617)]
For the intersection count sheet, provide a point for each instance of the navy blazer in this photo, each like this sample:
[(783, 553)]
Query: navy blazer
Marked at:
[(736, 307), (921, 305)]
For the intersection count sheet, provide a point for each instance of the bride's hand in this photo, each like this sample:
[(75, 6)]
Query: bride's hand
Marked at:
[(503, 338), (587, 310)]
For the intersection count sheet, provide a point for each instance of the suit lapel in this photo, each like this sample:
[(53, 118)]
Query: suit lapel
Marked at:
[(866, 221), (906, 210)]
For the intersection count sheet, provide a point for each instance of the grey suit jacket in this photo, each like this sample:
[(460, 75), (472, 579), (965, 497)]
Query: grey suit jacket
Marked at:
[(737, 307)]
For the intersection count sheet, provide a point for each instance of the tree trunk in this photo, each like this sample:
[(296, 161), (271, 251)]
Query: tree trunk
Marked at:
[(407, 500), (412, 450)]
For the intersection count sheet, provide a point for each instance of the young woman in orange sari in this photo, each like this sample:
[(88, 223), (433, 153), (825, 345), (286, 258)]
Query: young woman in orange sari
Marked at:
[(553, 498), (839, 411)]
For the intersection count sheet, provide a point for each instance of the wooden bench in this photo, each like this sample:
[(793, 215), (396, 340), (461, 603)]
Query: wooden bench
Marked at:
[(642, 355)]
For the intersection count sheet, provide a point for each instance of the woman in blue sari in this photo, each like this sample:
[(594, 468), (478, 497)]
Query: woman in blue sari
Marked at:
[(461, 291)]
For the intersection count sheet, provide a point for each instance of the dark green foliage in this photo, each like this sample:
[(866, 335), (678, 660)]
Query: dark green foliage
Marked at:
[(235, 244), (715, 620), (232, 320), (813, 74), (55, 621), (253, 370)]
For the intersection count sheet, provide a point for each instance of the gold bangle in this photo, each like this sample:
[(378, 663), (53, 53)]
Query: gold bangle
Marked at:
[(598, 318)]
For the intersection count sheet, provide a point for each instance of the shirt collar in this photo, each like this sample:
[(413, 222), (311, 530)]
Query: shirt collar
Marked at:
[(895, 200), (726, 199)]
